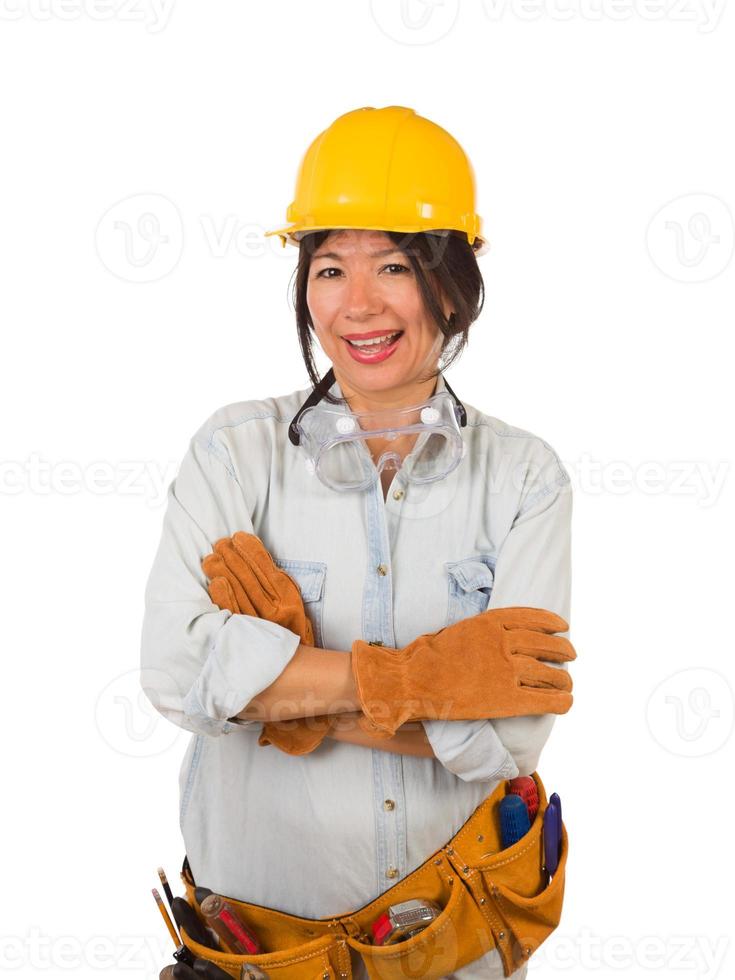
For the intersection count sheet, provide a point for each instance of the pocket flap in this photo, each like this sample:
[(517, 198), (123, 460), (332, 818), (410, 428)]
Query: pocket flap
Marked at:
[(308, 575), (473, 573)]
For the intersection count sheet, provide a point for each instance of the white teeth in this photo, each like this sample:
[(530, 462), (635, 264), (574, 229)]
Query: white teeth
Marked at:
[(373, 340)]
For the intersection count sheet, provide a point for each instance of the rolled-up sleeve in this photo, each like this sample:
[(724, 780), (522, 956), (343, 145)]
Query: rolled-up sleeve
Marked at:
[(201, 665), (533, 568), (471, 750)]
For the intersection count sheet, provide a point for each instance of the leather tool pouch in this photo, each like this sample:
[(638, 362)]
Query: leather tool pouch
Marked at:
[(490, 898)]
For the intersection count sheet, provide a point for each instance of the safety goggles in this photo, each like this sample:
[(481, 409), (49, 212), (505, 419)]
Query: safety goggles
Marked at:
[(424, 441)]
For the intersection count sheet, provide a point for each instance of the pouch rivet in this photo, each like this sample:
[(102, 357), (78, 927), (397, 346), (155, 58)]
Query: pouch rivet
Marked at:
[(450, 880), (501, 935), (438, 861), (482, 901), (450, 851), (465, 870), (528, 950), (481, 837)]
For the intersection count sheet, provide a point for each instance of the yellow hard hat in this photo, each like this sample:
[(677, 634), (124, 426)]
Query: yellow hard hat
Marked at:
[(384, 169)]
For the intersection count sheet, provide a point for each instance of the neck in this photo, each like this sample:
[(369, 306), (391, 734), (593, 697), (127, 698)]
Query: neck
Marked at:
[(401, 396)]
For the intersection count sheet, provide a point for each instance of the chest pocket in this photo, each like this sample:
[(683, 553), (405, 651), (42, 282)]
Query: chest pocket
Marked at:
[(470, 586), (309, 576)]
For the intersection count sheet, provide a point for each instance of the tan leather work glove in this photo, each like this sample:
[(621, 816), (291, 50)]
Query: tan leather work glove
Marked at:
[(486, 666), (259, 586), (245, 579)]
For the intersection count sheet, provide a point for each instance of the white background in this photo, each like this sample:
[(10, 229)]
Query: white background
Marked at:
[(602, 141)]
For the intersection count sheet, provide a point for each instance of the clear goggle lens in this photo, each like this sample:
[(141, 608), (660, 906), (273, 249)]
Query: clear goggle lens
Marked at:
[(347, 464), (424, 441)]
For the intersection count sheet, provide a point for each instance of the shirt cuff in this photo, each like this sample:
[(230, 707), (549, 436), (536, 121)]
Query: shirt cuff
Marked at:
[(246, 657), (471, 750)]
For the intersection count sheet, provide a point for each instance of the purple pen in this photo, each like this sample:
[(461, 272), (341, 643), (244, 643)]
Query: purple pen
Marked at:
[(554, 798), (552, 837)]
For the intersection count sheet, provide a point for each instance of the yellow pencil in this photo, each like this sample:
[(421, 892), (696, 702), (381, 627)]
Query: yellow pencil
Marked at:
[(166, 918)]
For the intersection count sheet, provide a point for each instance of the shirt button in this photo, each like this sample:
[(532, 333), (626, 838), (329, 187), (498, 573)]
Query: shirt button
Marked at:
[(389, 805), (391, 872), (382, 569), (397, 494)]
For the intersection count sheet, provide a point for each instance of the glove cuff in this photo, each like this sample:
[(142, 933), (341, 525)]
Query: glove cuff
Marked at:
[(378, 686)]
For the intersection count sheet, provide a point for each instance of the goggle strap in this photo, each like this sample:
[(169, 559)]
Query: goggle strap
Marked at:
[(461, 412), (316, 396), (326, 383)]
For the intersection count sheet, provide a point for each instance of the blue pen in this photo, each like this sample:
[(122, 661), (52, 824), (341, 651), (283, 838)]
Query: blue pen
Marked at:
[(552, 838)]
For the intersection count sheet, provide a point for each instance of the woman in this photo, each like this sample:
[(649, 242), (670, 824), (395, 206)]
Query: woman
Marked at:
[(387, 234)]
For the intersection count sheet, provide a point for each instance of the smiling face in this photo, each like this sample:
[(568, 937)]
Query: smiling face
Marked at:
[(361, 285)]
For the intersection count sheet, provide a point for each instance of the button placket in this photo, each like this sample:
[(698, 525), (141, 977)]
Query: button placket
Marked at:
[(378, 623), (389, 825)]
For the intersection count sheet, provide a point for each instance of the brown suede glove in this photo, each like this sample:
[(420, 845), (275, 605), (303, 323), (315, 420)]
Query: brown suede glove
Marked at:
[(245, 579), (485, 666), (259, 586)]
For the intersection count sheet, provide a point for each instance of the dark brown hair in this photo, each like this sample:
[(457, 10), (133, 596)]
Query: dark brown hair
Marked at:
[(444, 260)]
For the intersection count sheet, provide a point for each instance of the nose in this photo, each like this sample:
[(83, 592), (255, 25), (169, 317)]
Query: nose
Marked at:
[(361, 298)]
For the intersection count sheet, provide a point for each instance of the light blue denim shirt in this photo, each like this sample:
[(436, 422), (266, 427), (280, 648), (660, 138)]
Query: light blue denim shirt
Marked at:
[(325, 833)]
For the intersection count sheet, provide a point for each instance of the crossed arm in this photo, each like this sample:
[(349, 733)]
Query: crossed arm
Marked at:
[(197, 677), (532, 569), (328, 672)]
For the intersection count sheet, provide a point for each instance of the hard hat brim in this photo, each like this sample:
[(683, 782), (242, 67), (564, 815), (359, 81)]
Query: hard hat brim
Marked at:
[(293, 234)]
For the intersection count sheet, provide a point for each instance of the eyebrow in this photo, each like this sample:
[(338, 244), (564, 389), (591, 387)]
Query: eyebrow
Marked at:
[(372, 255)]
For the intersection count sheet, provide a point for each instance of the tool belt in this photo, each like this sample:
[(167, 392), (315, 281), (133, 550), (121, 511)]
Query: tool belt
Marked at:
[(490, 898)]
